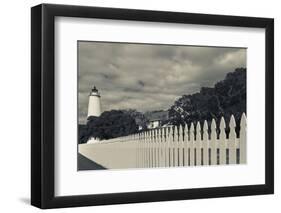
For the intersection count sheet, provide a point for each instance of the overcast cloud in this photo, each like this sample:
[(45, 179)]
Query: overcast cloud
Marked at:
[(149, 77)]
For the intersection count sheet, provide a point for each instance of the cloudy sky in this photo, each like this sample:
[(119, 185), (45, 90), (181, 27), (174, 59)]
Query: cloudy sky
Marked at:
[(149, 77)]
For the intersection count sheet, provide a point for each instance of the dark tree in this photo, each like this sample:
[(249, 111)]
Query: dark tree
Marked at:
[(226, 98), (83, 133), (111, 124)]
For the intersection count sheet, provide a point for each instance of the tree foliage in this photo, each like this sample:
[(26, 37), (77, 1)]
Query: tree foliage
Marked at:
[(110, 124), (226, 98), (140, 118)]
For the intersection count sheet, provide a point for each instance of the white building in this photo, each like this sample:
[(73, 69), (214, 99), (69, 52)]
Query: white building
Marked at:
[(154, 124), (156, 119)]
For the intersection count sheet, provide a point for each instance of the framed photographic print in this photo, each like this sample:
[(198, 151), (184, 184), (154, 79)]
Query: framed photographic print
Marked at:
[(139, 106)]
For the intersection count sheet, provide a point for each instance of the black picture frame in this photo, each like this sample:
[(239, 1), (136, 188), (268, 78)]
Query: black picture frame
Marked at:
[(43, 105)]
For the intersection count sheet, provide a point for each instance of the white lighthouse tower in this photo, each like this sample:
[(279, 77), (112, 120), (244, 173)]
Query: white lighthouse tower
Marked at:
[(94, 107)]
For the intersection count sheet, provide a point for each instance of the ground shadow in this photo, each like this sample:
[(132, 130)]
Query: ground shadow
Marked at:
[(87, 164)]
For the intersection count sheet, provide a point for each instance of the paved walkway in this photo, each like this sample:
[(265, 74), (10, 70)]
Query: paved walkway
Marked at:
[(87, 164)]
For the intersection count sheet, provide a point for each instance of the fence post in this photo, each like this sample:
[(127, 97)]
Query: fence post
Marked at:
[(222, 142), (232, 141), (213, 141), (242, 145), (205, 143)]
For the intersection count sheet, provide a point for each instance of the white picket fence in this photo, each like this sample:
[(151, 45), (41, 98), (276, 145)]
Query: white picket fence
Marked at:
[(172, 147)]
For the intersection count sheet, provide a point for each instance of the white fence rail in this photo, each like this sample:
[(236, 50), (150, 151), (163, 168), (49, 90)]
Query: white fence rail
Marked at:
[(172, 147)]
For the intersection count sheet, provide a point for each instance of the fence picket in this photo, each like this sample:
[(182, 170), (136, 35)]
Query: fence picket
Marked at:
[(140, 159), (150, 140), (176, 146), (191, 145), (205, 144), (157, 147), (242, 144), (181, 146), (136, 147), (171, 141), (153, 147), (138, 142), (143, 134), (167, 147), (186, 146), (162, 148), (137, 150), (213, 147), (232, 141), (148, 149), (198, 144), (222, 144)]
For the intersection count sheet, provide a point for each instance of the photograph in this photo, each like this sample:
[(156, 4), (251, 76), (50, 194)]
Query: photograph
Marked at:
[(160, 105), (134, 105)]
